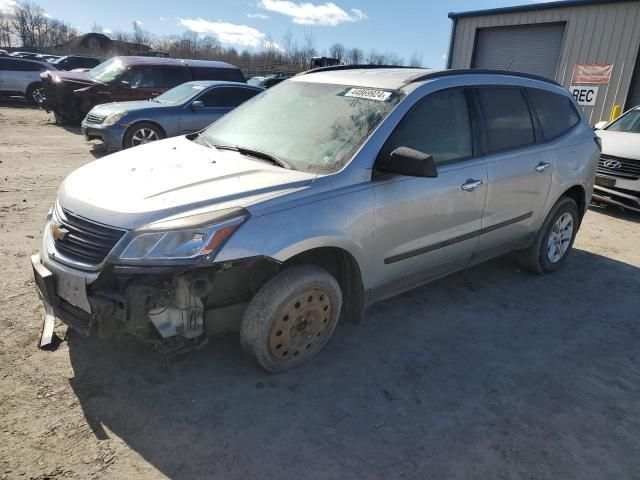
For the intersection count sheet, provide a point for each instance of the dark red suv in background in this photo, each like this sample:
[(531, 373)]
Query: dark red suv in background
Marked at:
[(70, 95)]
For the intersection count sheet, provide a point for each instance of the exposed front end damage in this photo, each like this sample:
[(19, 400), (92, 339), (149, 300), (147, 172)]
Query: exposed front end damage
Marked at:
[(170, 309)]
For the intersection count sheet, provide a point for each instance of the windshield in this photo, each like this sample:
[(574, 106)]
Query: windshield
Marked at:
[(311, 126), (630, 122), (180, 94), (108, 71)]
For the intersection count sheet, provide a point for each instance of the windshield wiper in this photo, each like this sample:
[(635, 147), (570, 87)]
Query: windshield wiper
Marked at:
[(257, 154)]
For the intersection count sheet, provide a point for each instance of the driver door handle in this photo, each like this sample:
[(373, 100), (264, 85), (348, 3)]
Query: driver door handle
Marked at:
[(542, 166), (470, 185)]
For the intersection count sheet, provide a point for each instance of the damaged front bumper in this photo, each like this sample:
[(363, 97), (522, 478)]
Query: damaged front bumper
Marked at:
[(172, 309)]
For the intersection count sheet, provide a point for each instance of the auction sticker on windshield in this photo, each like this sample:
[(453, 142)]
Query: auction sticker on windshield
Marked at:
[(368, 93)]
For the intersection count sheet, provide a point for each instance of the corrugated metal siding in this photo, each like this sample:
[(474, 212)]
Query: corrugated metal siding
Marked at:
[(607, 33), (522, 48)]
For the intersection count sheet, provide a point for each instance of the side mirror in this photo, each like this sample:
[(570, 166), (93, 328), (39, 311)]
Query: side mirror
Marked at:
[(197, 105), (409, 162), (125, 83), (600, 125)]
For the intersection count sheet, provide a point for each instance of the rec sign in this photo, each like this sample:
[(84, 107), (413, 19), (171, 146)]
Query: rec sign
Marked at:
[(585, 95)]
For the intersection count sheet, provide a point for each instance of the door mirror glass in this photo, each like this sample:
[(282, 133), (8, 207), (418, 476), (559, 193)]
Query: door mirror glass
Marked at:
[(125, 83), (409, 162), (197, 105), (600, 125)]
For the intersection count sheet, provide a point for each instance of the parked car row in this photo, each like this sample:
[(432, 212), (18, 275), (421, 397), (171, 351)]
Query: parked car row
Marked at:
[(307, 203), (71, 95)]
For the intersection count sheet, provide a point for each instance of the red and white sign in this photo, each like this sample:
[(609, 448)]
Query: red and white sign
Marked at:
[(592, 74)]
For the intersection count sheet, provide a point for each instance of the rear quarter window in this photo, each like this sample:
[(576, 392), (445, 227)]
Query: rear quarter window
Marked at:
[(226, 74), (556, 113)]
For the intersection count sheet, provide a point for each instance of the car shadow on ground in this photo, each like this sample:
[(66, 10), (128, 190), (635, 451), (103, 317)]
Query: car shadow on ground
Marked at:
[(616, 212), (488, 373), (17, 102)]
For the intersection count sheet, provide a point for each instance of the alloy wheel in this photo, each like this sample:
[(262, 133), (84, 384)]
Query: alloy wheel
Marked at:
[(560, 237), (144, 135)]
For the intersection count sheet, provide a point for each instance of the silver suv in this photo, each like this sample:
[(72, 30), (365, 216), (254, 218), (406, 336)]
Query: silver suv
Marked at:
[(333, 190)]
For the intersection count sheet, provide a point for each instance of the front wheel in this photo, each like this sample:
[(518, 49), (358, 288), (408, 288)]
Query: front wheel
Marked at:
[(554, 240), (291, 317), (141, 133)]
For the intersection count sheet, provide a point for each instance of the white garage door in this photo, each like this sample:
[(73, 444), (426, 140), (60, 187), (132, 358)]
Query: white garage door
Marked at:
[(524, 48)]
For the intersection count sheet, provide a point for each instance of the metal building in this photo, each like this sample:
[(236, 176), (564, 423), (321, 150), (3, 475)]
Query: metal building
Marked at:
[(590, 47)]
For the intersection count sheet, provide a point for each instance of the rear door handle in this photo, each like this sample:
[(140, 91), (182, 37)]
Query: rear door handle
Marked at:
[(470, 185), (542, 166)]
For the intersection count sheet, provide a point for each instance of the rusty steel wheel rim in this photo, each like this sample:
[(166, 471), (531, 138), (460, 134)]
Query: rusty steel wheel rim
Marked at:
[(301, 326)]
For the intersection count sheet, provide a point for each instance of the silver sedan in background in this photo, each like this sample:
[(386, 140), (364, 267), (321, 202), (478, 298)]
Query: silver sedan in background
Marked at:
[(184, 109)]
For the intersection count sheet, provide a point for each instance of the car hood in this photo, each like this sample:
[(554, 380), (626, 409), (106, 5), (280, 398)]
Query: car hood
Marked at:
[(176, 176), (620, 144), (133, 106), (75, 77)]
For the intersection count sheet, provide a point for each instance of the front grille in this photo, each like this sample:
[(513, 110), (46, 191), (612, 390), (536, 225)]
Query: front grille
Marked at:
[(628, 169), (92, 118), (84, 241)]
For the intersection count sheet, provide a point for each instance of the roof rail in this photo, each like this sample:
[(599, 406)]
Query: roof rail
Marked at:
[(349, 67), (472, 71)]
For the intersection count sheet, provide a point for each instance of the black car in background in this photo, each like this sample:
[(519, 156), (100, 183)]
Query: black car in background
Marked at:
[(71, 62), (70, 95)]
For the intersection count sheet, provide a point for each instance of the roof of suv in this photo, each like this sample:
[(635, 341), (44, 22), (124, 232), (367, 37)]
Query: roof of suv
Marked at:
[(395, 77), (138, 60)]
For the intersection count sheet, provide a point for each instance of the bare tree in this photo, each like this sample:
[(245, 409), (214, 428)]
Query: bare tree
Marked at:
[(416, 59), (355, 56), (139, 35), (337, 51), (6, 30)]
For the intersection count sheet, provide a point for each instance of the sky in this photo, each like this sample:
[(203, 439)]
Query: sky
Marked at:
[(401, 26)]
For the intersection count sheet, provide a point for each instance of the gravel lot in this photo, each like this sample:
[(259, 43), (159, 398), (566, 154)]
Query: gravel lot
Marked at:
[(490, 373)]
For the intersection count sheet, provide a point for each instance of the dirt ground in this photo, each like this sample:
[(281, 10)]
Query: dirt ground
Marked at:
[(490, 373)]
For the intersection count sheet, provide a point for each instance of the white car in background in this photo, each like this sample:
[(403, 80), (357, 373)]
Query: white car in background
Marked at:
[(618, 177), (19, 76)]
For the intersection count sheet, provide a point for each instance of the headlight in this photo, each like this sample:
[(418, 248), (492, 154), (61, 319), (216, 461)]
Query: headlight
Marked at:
[(184, 239), (112, 118)]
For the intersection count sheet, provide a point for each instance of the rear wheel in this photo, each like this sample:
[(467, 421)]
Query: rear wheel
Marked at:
[(291, 317), (554, 240), (141, 133), (35, 93)]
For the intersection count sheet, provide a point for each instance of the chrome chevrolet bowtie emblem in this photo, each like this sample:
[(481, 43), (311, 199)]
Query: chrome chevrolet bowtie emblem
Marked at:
[(613, 164)]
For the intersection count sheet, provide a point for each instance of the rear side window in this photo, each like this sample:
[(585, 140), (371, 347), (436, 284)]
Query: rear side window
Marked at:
[(438, 125), (555, 112), (227, 97), (226, 74), (506, 118), (172, 76)]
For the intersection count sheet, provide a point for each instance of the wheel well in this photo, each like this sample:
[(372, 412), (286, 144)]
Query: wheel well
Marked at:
[(578, 195), (344, 267), (33, 85)]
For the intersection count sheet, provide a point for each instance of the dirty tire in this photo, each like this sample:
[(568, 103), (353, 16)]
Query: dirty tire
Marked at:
[(291, 317), (536, 258), (140, 133)]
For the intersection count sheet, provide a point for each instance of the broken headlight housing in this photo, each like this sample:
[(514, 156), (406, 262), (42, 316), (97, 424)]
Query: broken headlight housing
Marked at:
[(182, 240)]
